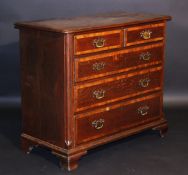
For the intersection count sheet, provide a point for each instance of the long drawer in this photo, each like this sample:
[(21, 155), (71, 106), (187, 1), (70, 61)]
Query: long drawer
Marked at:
[(112, 89), (116, 62), (105, 121)]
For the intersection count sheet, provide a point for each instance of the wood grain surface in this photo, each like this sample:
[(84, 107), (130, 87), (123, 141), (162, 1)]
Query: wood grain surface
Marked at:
[(85, 23), (117, 62)]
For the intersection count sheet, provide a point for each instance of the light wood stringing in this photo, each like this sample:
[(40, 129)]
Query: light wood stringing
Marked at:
[(99, 56), (88, 35)]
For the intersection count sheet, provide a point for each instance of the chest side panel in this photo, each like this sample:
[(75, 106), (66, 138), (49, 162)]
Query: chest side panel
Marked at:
[(42, 80)]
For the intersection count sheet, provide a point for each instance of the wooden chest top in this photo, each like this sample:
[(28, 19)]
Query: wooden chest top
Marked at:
[(92, 22)]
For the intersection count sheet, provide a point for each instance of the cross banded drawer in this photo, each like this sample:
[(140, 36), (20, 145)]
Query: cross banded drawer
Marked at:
[(98, 93), (105, 121), (116, 62), (145, 33), (94, 42)]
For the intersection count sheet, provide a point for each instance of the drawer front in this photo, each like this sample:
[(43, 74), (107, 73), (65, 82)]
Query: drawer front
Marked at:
[(117, 88), (115, 118), (94, 42), (116, 62), (145, 33)]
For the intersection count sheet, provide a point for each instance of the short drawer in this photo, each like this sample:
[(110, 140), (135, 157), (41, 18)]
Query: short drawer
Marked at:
[(109, 90), (145, 33), (94, 42), (106, 121), (116, 62)]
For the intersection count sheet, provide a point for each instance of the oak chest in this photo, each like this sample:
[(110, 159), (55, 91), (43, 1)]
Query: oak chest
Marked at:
[(88, 81)]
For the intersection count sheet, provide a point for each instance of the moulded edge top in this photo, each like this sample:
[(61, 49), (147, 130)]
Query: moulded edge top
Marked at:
[(85, 23)]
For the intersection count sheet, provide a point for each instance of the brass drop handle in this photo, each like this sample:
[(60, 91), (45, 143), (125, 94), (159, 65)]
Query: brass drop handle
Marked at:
[(99, 94), (143, 110), (99, 42), (98, 66), (146, 34), (144, 82), (145, 56), (98, 124)]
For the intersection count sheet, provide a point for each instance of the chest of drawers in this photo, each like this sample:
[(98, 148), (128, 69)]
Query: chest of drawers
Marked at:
[(88, 81)]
